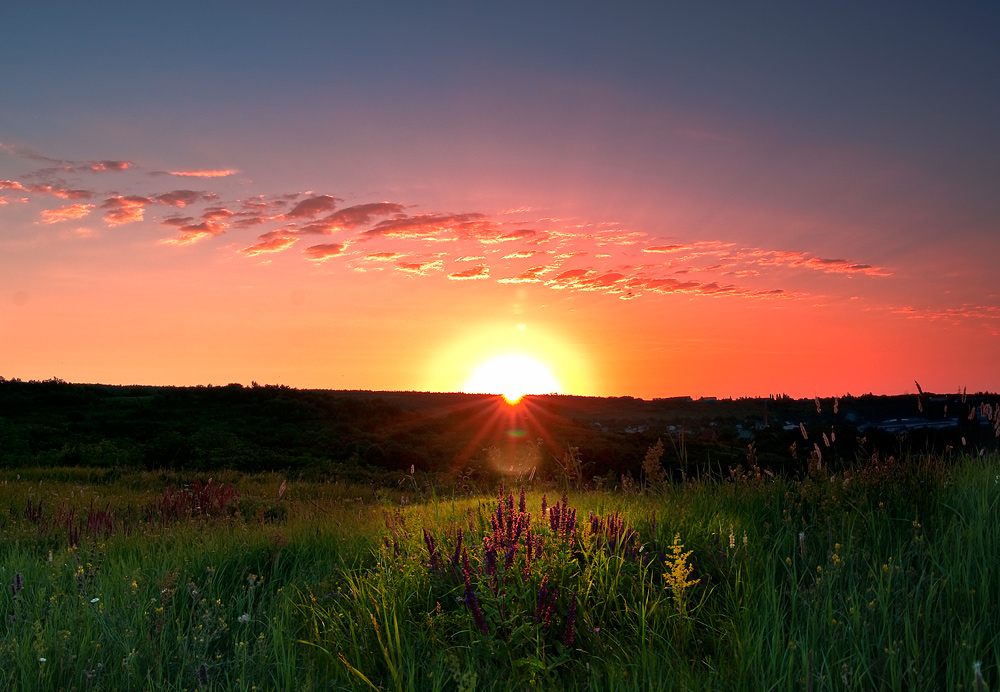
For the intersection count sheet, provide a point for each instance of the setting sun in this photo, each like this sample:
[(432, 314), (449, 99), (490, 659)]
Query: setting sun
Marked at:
[(513, 376)]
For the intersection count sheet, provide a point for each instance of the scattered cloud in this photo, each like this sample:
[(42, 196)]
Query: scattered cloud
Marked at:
[(182, 198), (533, 275), (325, 251), (46, 189), (205, 174), (308, 208), (102, 166), (121, 210), (274, 241), (382, 256), (480, 271), (524, 254), (420, 268), (73, 211), (579, 254)]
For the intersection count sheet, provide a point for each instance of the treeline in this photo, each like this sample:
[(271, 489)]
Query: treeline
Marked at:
[(362, 434)]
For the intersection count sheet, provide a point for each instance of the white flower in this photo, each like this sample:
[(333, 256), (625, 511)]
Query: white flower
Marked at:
[(244, 618), (41, 660), (94, 600)]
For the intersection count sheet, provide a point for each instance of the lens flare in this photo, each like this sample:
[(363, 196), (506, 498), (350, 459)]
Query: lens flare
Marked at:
[(512, 376)]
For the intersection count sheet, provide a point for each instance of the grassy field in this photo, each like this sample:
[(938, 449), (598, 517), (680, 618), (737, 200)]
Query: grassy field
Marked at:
[(882, 576)]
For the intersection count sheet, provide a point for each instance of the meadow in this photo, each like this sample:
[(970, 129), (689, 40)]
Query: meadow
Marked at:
[(878, 575)]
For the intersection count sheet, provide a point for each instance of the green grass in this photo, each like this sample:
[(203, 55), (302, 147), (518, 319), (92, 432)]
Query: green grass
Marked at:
[(884, 576)]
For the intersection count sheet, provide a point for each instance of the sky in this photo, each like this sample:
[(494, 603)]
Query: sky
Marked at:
[(649, 199)]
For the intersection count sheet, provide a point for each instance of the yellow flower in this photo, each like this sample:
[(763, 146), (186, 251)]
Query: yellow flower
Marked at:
[(677, 578)]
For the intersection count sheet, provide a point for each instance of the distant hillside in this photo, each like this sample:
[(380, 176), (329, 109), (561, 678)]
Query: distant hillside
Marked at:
[(362, 434)]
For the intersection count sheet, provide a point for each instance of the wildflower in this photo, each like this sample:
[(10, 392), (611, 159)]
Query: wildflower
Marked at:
[(569, 633), (543, 594), (473, 603), (42, 660), (94, 600), (243, 619), (18, 583), (680, 570), (435, 562), (203, 675)]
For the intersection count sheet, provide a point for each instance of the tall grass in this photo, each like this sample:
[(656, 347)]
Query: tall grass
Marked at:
[(881, 576)]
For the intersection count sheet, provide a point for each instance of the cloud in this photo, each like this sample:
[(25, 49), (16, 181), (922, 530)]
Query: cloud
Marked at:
[(47, 189), (308, 208), (588, 280), (419, 268), (532, 275), (520, 254), (382, 256), (121, 210), (470, 258), (273, 241), (182, 198), (192, 232), (73, 211), (103, 166), (318, 253), (480, 271), (349, 218), (205, 174), (508, 237), (664, 248), (217, 214), (796, 259), (424, 226)]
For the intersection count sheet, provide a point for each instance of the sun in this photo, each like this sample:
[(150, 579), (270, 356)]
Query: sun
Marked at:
[(513, 376)]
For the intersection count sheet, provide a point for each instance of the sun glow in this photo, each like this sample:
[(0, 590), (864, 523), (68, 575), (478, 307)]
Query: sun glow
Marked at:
[(513, 376)]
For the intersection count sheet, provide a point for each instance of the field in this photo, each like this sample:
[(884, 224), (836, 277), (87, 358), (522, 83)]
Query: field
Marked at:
[(883, 575)]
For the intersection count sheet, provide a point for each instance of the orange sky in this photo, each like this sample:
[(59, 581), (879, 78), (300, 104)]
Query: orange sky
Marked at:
[(650, 208)]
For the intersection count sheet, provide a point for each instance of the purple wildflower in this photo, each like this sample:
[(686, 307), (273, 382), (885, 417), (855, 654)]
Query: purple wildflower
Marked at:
[(435, 562), (543, 594), (203, 675), (473, 603), (18, 583), (570, 632)]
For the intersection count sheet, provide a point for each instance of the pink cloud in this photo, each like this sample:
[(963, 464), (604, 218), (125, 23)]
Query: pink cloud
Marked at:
[(192, 232), (664, 248), (73, 211), (532, 275), (205, 174), (44, 188), (274, 241), (521, 254), (382, 256), (424, 225), (121, 210), (308, 208), (796, 259), (420, 268), (353, 217), (102, 166), (480, 271), (318, 253), (182, 198)]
